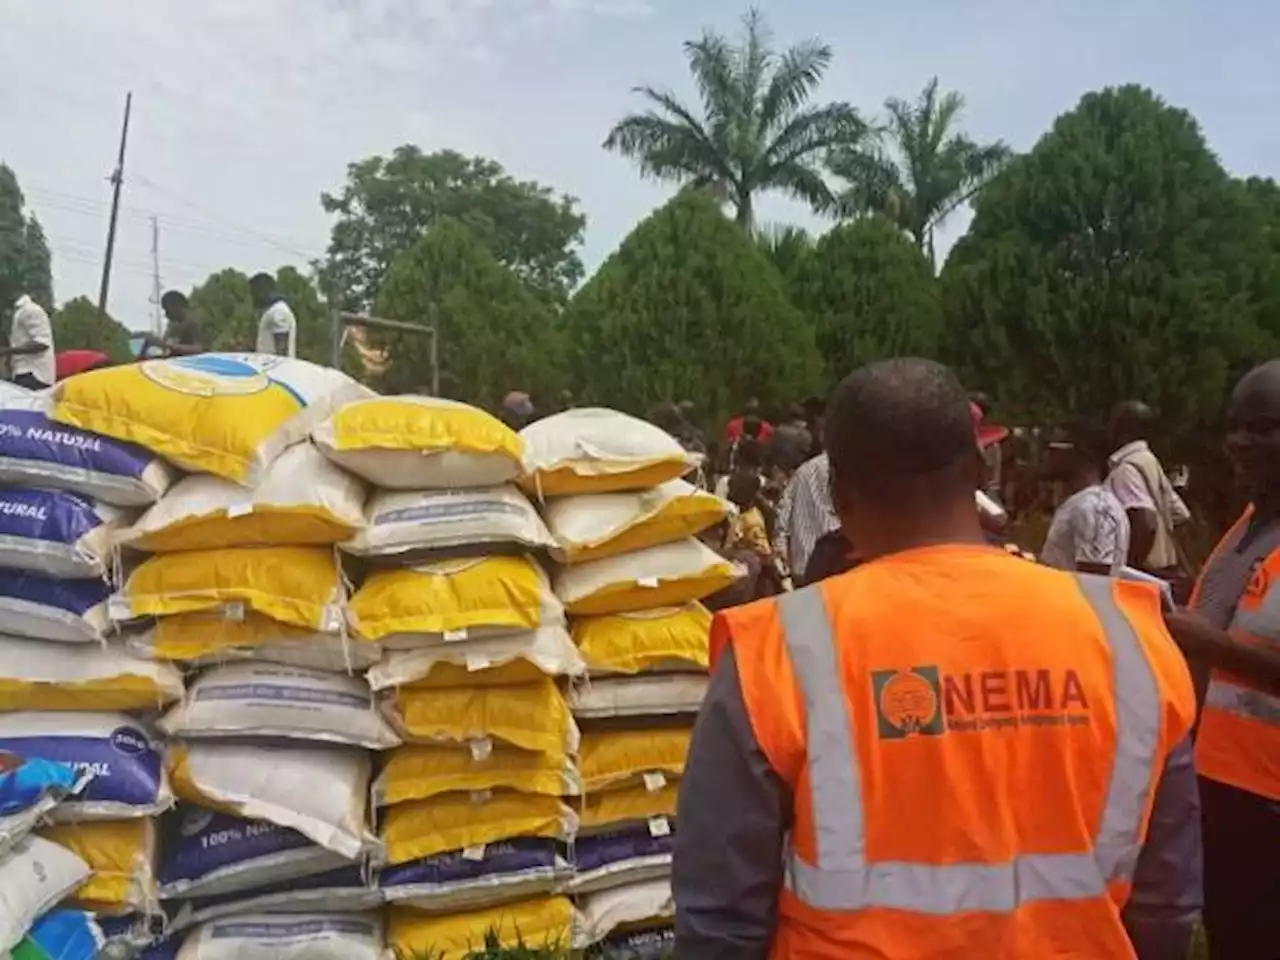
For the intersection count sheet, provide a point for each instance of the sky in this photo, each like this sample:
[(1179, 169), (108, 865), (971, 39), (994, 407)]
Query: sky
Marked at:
[(244, 111)]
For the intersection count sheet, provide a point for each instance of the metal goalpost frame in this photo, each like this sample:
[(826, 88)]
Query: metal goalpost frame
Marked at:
[(341, 321)]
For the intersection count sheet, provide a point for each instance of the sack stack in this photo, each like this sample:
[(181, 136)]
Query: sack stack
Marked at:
[(474, 810), (632, 574), (233, 576), (69, 691)]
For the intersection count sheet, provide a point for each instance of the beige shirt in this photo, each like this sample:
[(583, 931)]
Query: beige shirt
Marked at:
[(1139, 483), (31, 325)]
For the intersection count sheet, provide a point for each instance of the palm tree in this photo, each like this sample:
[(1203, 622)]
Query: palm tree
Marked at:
[(932, 170), (757, 131)]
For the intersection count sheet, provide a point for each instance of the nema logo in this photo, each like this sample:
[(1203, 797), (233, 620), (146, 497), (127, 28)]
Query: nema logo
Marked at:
[(908, 702)]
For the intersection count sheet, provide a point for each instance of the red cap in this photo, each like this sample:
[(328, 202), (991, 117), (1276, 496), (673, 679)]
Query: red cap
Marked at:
[(987, 434)]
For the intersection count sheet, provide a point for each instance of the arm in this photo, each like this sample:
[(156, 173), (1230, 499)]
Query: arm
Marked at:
[(733, 815), (1168, 887), (1131, 490), (1202, 642), (280, 344), (30, 348), (782, 535)]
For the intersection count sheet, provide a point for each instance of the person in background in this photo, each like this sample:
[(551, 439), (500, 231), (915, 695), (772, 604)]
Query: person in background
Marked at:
[(1090, 531), (1233, 627), (805, 514), (993, 515), (791, 442), (993, 453), (735, 429), (277, 326), (517, 410), (865, 778), (814, 412), (30, 349), (183, 336), (1138, 481)]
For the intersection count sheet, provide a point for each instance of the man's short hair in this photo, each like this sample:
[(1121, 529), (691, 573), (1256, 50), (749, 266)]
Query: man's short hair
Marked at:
[(897, 421), (173, 298), (262, 280)]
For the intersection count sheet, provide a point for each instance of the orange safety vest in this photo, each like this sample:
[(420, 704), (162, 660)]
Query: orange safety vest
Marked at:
[(1239, 739), (972, 754)]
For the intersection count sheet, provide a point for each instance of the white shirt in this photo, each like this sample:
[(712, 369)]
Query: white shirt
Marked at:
[(806, 513), (1089, 527), (277, 319), (31, 325)]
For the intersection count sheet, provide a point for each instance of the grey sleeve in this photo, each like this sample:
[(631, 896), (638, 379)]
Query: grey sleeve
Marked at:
[(1168, 883), (732, 817)]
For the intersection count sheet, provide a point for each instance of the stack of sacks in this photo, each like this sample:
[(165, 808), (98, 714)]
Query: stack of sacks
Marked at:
[(35, 874), (271, 754), (473, 808), (633, 572), (65, 685)]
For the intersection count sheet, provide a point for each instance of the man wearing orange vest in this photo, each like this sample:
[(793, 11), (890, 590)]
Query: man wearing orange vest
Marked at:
[(1235, 627), (946, 753)]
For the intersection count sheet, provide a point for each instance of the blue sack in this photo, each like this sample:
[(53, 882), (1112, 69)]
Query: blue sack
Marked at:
[(29, 788), (46, 608), (55, 533), (62, 935)]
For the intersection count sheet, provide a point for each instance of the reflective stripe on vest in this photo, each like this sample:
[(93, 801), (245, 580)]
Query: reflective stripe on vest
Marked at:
[(1243, 702), (842, 879)]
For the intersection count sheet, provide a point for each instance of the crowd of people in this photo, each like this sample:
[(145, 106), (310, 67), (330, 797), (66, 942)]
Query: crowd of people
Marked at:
[(941, 750)]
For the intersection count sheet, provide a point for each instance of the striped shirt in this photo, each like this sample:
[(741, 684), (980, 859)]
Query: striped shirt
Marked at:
[(805, 514)]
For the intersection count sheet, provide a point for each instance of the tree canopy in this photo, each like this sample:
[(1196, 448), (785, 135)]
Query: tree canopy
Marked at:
[(870, 294), (389, 202), (1113, 261), (758, 131), (77, 325), (689, 308), (495, 335), (229, 319), (24, 254), (925, 170)]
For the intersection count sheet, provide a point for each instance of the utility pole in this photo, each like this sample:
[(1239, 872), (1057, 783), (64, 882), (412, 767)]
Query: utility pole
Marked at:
[(117, 179), (156, 327)]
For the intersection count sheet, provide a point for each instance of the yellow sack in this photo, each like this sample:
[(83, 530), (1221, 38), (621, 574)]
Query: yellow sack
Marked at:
[(491, 662), (423, 828), (599, 451), (61, 676), (423, 772), (302, 499), (665, 576), (666, 638), (301, 586), (533, 717), (208, 637), (601, 811), (221, 413), (121, 854), (595, 526), (453, 600), (546, 922), (421, 443), (612, 759)]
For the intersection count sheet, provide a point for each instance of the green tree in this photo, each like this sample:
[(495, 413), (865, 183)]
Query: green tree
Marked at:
[(24, 254), (230, 321), (689, 308), (77, 325), (758, 131), (495, 335), (1115, 260), (925, 171), (388, 203), (788, 249), (870, 294)]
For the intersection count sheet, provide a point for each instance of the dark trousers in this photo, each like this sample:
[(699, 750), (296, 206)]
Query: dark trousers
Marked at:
[(1241, 873)]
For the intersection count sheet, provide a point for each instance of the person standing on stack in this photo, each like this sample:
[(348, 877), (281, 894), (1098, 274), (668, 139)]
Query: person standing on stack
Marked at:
[(1139, 483), (183, 337), (277, 326), (30, 349), (947, 752), (1233, 625)]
